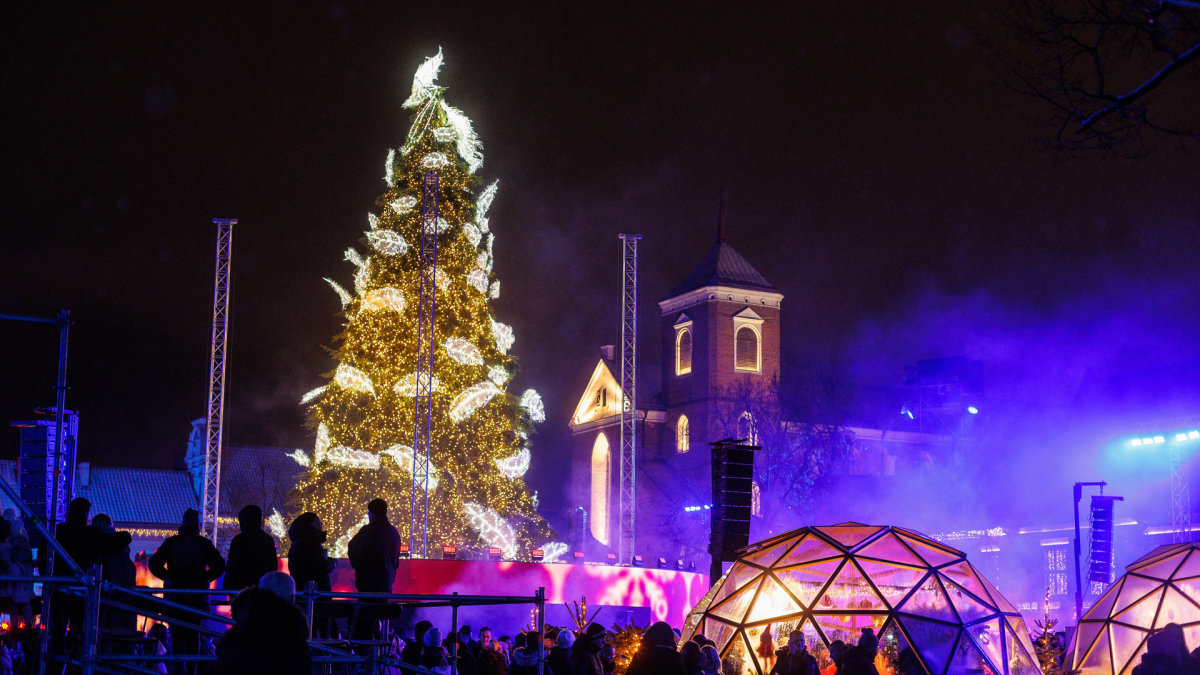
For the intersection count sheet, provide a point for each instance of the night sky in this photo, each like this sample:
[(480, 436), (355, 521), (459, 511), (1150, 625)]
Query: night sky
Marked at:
[(874, 167)]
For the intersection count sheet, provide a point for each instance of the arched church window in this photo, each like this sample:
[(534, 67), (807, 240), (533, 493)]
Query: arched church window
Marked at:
[(683, 441), (683, 352), (601, 484), (747, 430), (746, 353)]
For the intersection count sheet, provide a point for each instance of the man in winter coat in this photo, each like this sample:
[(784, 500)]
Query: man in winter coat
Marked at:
[(252, 552), (657, 654), (187, 560), (375, 551), (269, 637), (860, 659), (588, 654), (794, 658)]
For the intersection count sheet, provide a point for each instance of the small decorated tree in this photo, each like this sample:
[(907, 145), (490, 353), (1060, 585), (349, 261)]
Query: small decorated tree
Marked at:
[(363, 416)]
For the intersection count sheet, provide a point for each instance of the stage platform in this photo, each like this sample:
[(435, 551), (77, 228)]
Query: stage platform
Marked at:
[(637, 593)]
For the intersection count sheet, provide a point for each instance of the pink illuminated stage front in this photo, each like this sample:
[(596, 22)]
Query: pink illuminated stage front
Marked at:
[(667, 595)]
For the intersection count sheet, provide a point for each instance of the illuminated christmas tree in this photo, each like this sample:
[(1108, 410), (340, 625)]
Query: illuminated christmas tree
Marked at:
[(364, 415)]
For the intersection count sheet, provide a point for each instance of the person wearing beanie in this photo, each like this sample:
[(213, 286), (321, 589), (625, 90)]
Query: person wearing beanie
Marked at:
[(252, 552), (411, 654), (187, 560), (860, 659), (433, 654), (587, 653), (559, 659), (657, 654)]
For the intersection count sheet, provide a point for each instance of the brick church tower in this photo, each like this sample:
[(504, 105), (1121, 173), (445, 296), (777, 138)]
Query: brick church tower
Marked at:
[(720, 327)]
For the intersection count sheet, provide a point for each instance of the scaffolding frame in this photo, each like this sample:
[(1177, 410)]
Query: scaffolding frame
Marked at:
[(418, 530), (629, 244), (210, 497)]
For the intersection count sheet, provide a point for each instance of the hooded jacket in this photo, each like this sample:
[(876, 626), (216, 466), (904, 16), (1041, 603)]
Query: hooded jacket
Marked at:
[(657, 655)]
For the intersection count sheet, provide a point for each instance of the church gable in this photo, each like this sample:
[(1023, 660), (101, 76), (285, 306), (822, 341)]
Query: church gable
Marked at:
[(601, 398)]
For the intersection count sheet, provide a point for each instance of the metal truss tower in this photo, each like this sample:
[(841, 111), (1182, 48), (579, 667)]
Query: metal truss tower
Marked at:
[(1165, 432), (418, 531), (629, 393), (210, 497)]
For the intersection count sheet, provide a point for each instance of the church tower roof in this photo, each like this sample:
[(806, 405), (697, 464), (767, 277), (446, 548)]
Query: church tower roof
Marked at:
[(723, 266)]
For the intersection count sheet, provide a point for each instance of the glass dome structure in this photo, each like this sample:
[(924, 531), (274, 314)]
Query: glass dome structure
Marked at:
[(831, 582), (1159, 588)]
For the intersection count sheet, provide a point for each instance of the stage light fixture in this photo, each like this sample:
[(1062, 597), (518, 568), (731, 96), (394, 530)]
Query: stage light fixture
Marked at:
[(537, 554), (662, 563), (636, 561), (405, 552), (578, 556), (973, 410), (611, 558), (691, 567), (448, 552), (679, 564), (494, 552)]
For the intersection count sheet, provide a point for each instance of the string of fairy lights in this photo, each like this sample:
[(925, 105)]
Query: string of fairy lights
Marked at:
[(363, 416)]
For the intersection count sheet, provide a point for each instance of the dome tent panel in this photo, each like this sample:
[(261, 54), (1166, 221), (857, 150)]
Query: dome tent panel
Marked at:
[(1099, 658), (1191, 567), (1021, 657), (1134, 589), (1163, 569), (1085, 638), (967, 659), (849, 591), (964, 576), (809, 549), (936, 640), (773, 601), (1017, 625), (889, 548), (806, 581), (989, 637), (1178, 608), (933, 556), (969, 609), (719, 632), (1125, 643), (1104, 605), (1000, 601), (767, 556), (893, 581), (1143, 612), (734, 607), (1189, 587), (930, 601), (848, 535)]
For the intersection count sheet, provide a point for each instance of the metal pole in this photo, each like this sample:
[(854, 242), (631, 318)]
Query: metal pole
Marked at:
[(454, 642), (310, 602), (91, 620), (60, 403), (1078, 577), (540, 600)]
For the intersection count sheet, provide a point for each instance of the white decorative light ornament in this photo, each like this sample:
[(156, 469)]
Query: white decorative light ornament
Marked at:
[(384, 299), (407, 386), (494, 292), (444, 134), (313, 394), (349, 377), (531, 401), (492, 528), (485, 201), (343, 294), (373, 220), (354, 459), (427, 98), (515, 466), (404, 204), (463, 352), (503, 334), (355, 258), (301, 458), (389, 169), (481, 261), (387, 242), (276, 526), (477, 279), (321, 446), (471, 399), (553, 551), (498, 374), (441, 226), (441, 279), (403, 455), (361, 277), (435, 160), (472, 234)]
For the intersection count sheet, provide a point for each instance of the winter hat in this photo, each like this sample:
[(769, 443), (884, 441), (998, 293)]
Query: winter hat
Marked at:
[(566, 639), (868, 639), (595, 630), (433, 637)]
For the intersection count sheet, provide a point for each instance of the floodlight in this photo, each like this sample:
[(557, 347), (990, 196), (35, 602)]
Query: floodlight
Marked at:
[(1180, 437), (1193, 434), (611, 558), (449, 551), (973, 410), (405, 551), (679, 564), (578, 556), (662, 563), (636, 561), (1137, 442), (494, 553), (537, 554), (1159, 439)]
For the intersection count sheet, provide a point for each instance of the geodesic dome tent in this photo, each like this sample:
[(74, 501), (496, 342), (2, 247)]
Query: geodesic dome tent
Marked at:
[(1159, 588), (830, 582)]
